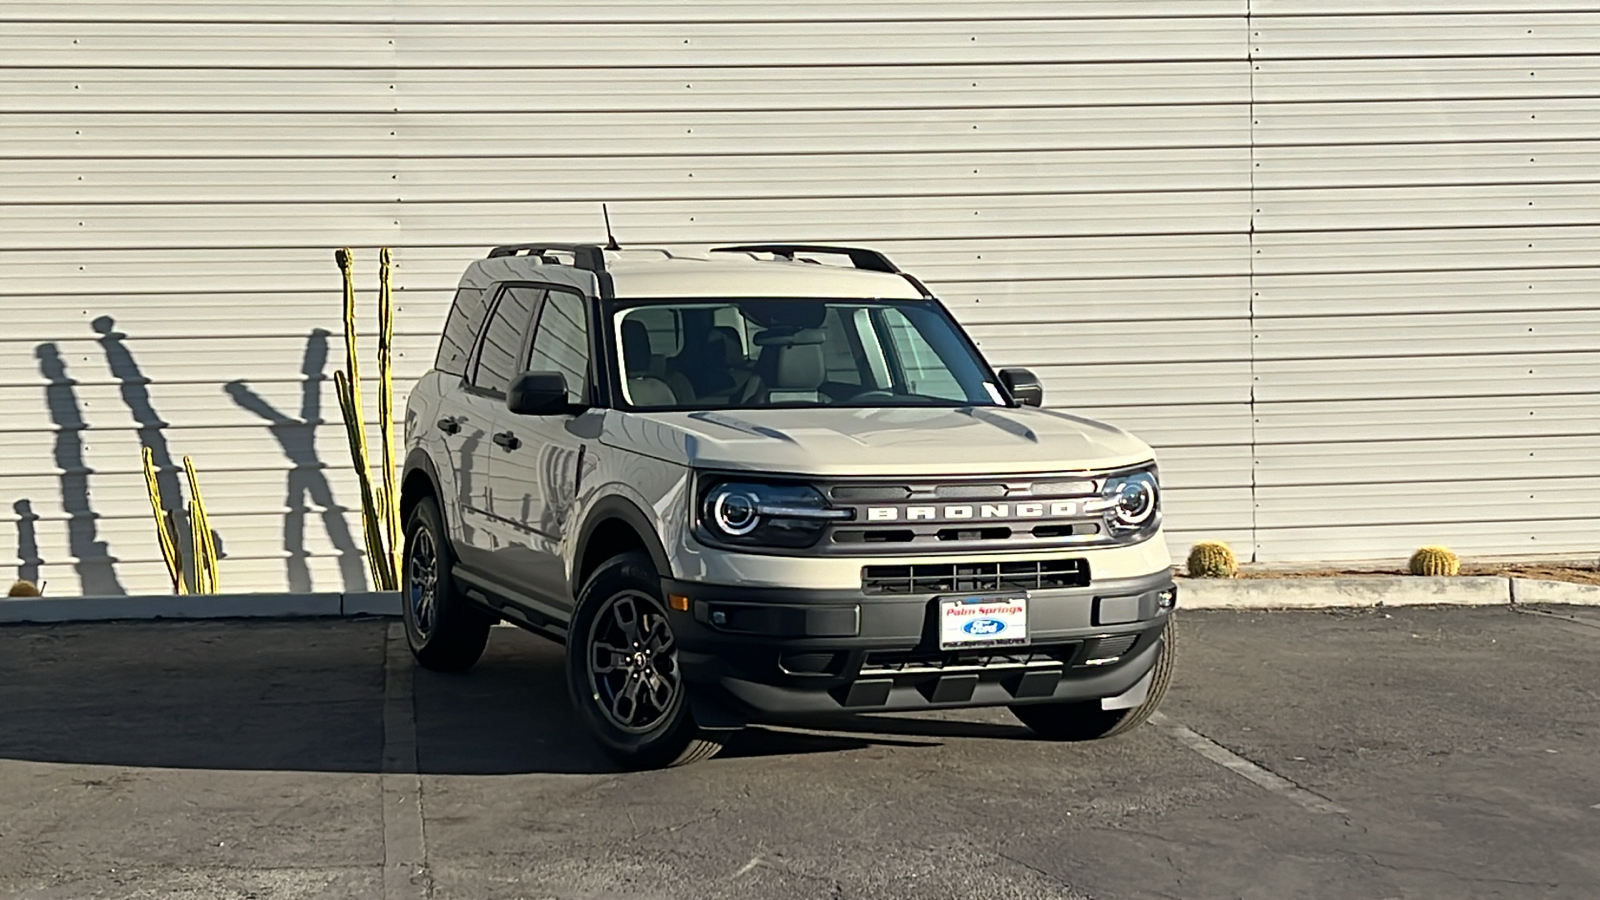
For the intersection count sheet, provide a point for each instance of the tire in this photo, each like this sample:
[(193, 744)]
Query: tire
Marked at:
[(634, 704), (1086, 721), (447, 633)]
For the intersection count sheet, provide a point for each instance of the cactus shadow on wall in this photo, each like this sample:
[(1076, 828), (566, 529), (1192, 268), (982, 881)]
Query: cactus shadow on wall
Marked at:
[(96, 569), (307, 480), (134, 387), (27, 541)]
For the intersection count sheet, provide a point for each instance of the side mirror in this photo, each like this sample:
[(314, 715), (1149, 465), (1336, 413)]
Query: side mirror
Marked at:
[(538, 394), (1024, 386)]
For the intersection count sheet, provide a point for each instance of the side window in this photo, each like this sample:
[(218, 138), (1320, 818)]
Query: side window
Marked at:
[(561, 343), (926, 374), (461, 331), (500, 356)]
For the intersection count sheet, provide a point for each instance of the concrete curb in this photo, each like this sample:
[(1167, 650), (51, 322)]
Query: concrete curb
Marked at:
[(1361, 592), (197, 606), (1533, 590), (1193, 593), (371, 603)]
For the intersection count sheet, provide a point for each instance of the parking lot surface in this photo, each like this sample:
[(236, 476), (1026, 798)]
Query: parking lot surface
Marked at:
[(1438, 753)]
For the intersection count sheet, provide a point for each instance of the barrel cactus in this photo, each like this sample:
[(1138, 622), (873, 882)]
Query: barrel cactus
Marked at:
[(1435, 561), (23, 589), (1212, 559)]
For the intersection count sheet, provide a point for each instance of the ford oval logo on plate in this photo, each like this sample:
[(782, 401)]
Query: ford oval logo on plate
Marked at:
[(984, 627)]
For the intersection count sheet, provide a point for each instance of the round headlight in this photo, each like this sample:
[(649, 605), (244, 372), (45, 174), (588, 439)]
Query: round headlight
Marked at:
[(735, 512), (1136, 501), (1131, 502)]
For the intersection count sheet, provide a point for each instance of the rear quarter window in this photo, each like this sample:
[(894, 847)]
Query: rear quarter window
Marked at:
[(461, 331)]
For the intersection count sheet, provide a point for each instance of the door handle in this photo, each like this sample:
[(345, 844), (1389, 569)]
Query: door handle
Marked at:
[(507, 440), (449, 425)]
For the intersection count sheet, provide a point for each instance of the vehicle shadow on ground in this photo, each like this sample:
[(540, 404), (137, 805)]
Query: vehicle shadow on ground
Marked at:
[(511, 714), (309, 696)]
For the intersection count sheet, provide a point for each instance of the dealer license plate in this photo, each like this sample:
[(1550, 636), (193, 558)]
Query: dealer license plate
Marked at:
[(983, 621)]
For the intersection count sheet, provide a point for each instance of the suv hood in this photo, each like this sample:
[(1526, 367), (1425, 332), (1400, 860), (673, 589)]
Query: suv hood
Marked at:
[(981, 440)]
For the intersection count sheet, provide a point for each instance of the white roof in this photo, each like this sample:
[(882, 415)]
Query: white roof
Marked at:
[(660, 273)]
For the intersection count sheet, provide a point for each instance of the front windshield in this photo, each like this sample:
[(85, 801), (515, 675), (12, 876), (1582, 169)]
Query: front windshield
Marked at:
[(741, 354)]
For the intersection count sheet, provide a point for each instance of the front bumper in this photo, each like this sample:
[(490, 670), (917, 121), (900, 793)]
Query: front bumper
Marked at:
[(759, 654)]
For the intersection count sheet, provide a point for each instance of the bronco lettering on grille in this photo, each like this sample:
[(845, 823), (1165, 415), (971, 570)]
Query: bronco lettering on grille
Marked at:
[(1059, 509)]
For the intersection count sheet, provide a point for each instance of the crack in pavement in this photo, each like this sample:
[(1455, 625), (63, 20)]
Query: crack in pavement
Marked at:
[(1396, 867), (1041, 872), (405, 849)]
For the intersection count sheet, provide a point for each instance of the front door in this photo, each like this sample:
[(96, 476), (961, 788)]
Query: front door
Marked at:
[(498, 357), (539, 461)]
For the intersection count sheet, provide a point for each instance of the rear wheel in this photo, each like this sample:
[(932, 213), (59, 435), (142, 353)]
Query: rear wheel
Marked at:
[(1086, 721), (446, 632), (622, 670)]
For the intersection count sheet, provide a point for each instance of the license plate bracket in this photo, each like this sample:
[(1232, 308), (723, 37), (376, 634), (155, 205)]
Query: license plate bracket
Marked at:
[(968, 621)]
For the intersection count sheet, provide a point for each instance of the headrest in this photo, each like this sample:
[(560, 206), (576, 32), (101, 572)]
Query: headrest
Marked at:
[(635, 347), (799, 368), (725, 338), (789, 337)]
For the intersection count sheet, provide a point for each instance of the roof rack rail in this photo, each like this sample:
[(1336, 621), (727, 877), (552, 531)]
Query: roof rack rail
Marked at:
[(860, 257), (584, 256)]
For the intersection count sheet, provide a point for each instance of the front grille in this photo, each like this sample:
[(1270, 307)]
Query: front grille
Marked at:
[(962, 578), (1026, 513)]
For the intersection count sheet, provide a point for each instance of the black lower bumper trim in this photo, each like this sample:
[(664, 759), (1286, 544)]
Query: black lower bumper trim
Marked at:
[(778, 654)]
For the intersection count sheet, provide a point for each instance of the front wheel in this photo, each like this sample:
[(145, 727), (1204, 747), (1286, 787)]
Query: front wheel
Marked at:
[(622, 670), (1086, 721)]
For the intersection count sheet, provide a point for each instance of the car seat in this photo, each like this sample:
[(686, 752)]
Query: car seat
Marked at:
[(790, 369), (644, 389), (712, 371)]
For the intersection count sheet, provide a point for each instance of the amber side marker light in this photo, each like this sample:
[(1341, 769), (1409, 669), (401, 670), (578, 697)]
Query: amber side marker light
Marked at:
[(678, 602)]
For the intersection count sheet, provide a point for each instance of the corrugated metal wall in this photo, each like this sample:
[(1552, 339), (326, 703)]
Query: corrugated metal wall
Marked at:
[(1426, 277), (1341, 268)]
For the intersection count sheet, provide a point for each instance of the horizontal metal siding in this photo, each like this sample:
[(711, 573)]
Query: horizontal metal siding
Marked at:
[(1072, 177), (601, 45), (494, 11), (1300, 253), (1427, 328)]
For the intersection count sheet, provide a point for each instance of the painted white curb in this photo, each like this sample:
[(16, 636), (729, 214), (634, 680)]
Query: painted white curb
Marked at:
[(1361, 592), (372, 603), (1193, 593), (1533, 590), (188, 606), (197, 606), (1326, 593)]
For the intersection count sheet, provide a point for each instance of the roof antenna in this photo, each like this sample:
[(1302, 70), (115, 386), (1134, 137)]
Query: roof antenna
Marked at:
[(611, 241)]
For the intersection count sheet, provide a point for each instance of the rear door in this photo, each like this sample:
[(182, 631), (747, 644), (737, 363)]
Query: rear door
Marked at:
[(442, 431), (537, 470)]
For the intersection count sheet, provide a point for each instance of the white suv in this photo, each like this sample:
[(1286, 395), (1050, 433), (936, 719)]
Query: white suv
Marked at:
[(745, 484)]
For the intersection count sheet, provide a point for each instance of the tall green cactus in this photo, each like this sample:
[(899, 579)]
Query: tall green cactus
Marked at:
[(379, 507)]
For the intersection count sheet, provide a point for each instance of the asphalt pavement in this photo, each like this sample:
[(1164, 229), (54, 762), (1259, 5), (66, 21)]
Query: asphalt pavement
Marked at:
[(1428, 753)]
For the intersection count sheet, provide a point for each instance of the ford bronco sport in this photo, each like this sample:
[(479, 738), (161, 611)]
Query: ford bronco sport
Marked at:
[(747, 484)]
